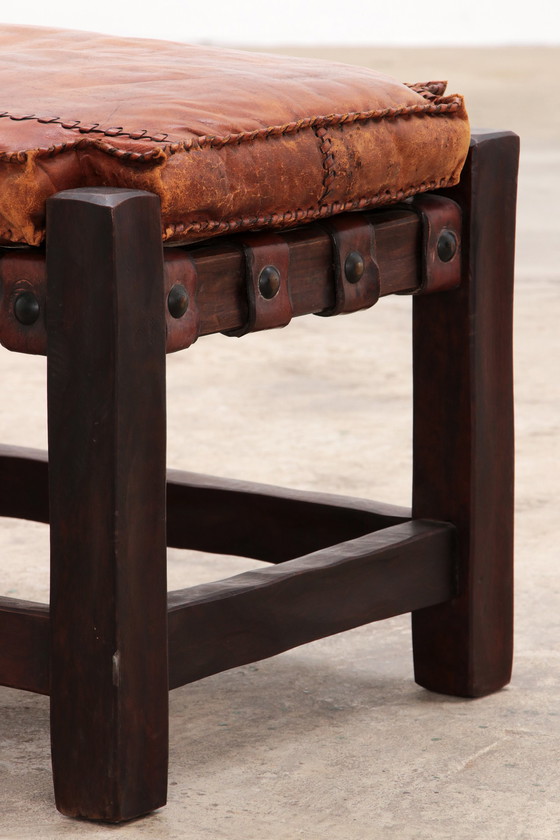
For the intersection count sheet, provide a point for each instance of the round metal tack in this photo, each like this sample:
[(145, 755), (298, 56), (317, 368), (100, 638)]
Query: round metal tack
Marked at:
[(269, 282), (447, 245), (354, 267), (178, 301), (26, 308)]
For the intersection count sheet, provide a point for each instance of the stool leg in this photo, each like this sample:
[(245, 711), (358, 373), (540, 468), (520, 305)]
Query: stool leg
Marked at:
[(106, 414), (463, 433)]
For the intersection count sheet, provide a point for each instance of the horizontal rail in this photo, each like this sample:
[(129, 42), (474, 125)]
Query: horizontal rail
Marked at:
[(273, 524), (218, 515), (355, 561), (24, 483), (221, 296), (216, 626), (261, 613), (24, 645)]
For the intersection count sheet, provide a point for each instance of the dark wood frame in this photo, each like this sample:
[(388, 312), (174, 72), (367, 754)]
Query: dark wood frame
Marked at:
[(113, 640)]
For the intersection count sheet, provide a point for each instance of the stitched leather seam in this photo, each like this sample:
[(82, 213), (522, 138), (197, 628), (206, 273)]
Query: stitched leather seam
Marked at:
[(292, 217), (156, 155), (286, 218), (325, 145), (89, 128), (430, 109), (436, 108), (429, 90)]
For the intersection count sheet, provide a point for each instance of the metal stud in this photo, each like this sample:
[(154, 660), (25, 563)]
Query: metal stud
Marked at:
[(447, 245), (26, 308), (354, 267), (269, 282), (178, 301)]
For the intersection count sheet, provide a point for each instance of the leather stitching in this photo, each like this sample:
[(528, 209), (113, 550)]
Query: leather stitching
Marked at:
[(436, 108), (325, 145), (89, 128), (293, 217), (287, 218), (429, 90), (430, 109)]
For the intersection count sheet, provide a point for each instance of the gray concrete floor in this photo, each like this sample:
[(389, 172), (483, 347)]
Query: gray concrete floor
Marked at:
[(334, 740)]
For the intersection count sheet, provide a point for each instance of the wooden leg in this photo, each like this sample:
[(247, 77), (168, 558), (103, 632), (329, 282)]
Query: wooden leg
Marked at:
[(463, 433), (106, 414)]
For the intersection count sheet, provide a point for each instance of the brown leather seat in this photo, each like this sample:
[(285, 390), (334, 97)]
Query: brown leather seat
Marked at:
[(229, 140)]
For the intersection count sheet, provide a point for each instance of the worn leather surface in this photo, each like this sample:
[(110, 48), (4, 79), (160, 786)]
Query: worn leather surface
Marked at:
[(229, 140)]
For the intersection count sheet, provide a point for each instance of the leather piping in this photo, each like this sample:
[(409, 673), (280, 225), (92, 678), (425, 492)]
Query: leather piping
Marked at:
[(292, 217), (446, 105), (285, 218)]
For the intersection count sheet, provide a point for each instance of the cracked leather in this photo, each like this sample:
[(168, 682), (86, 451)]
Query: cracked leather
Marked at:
[(229, 140)]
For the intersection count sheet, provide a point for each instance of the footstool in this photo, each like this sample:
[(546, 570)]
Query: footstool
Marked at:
[(287, 187)]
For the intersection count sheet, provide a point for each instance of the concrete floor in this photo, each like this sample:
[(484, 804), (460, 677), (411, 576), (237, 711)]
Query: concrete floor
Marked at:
[(334, 741)]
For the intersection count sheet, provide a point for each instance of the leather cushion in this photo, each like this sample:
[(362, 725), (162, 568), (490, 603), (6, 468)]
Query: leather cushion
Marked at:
[(229, 140)]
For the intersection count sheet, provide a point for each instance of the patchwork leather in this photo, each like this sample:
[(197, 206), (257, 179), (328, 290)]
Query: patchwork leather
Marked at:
[(229, 140)]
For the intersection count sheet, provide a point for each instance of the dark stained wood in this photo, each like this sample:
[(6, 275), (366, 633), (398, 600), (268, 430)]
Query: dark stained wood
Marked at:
[(106, 412), (463, 432), (221, 294), (397, 236), (204, 513), (24, 653), (267, 523), (218, 515), (337, 563), (258, 614), (24, 489)]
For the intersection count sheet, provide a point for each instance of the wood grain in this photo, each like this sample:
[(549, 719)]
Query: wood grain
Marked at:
[(209, 513), (258, 614), (24, 488), (106, 414), (25, 651), (463, 432), (226, 516)]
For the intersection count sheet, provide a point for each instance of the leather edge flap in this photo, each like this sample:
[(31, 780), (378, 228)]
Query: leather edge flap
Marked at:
[(356, 272), (181, 307), (267, 265), (441, 220)]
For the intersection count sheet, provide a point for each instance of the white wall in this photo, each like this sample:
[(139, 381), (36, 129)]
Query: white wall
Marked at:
[(271, 22)]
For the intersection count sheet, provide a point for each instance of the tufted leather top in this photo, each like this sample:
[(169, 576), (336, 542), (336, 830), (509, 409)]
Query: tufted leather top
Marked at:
[(229, 140)]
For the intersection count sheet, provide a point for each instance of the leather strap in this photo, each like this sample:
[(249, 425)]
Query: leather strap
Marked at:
[(180, 271), (267, 263), (22, 272), (441, 243), (356, 273)]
